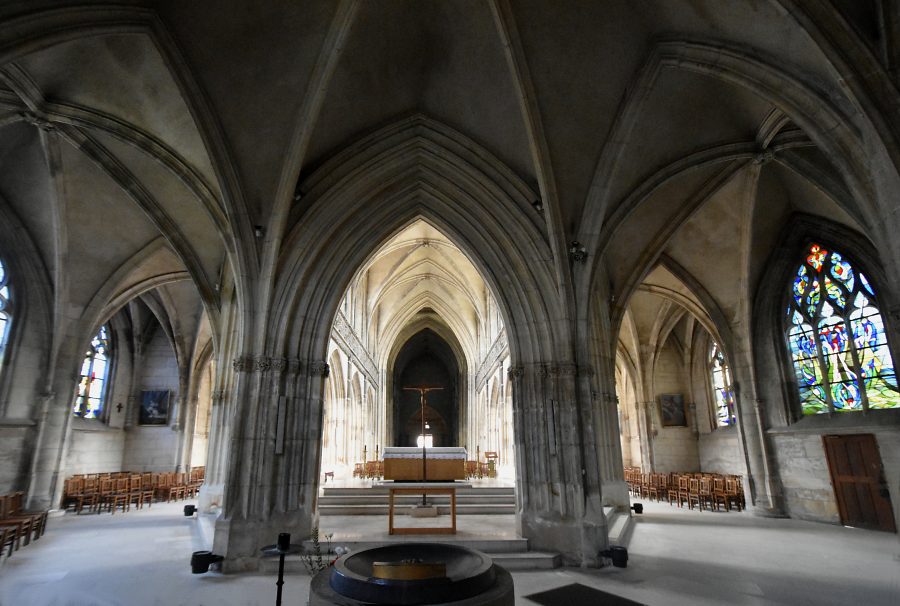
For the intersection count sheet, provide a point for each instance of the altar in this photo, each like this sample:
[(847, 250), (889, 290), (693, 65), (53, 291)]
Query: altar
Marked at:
[(442, 463)]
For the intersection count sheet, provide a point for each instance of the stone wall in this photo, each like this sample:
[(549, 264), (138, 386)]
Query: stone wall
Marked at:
[(14, 444), (805, 479), (720, 452), (155, 448), (95, 448), (674, 448)]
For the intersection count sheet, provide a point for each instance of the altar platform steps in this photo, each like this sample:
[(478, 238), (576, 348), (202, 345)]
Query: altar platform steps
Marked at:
[(494, 500), (512, 554)]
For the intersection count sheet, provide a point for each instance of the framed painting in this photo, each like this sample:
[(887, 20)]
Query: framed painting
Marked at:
[(154, 407), (671, 410)]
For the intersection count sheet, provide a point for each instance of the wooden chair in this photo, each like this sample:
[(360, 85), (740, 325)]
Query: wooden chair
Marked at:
[(491, 459), (652, 488), (120, 496), (706, 494), (90, 494), (358, 470), (694, 493), (718, 493), (8, 537), (177, 487), (17, 509), (734, 494), (24, 525)]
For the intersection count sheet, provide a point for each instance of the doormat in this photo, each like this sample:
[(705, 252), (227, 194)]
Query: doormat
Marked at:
[(577, 594)]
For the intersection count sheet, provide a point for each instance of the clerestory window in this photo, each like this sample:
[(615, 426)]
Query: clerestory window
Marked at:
[(91, 391), (836, 337)]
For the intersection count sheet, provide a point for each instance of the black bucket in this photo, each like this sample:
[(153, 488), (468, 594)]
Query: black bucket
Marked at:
[(619, 556), (189, 510), (201, 560)]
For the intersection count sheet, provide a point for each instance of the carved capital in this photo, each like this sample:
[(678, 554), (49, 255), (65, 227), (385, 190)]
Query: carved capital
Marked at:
[(605, 396), (279, 364), (562, 370), (515, 372), (262, 363), (218, 396), (243, 364), (319, 368)]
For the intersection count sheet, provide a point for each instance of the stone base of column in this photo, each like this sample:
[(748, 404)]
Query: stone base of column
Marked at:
[(577, 541), (766, 512), (240, 541), (210, 497), (615, 494)]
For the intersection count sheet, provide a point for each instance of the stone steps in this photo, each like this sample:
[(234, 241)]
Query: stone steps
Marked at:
[(511, 554), (374, 501), (369, 509)]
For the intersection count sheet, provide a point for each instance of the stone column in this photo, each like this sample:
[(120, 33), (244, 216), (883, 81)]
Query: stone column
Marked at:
[(273, 461), (559, 505), (212, 490)]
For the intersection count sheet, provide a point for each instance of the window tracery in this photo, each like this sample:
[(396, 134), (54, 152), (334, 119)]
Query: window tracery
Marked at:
[(723, 390), (836, 337), (91, 391)]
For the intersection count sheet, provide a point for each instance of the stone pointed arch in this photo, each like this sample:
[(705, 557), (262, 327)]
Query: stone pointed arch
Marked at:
[(415, 169)]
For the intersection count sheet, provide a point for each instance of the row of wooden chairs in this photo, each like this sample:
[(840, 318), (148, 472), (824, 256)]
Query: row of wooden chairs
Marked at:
[(369, 470), (705, 490), (17, 526), (375, 469), (112, 491), (477, 469)]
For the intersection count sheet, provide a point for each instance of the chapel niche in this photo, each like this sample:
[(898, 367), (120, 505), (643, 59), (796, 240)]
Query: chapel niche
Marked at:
[(426, 359)]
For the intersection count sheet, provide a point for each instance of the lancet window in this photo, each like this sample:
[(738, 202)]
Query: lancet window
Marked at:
[(723, 390), (5, 311), (91, 390), (836, 337)]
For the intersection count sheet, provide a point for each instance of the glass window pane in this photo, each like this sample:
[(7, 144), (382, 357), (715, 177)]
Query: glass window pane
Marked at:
[(90, 392), (852, 350)]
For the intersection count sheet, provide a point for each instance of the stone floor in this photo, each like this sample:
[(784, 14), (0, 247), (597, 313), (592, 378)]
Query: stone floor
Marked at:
[(676, 557)]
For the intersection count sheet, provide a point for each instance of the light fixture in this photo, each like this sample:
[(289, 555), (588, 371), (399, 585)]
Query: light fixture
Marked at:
[(258, 230), (538, 205)]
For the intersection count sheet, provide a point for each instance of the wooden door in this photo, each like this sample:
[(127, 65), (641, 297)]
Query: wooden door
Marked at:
[(858, 479)]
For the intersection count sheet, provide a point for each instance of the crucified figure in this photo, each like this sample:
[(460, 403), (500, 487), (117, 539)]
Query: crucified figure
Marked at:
[(423, 389)]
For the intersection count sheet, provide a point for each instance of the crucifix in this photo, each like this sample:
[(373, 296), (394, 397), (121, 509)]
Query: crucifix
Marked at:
[(119, 407), (423, 389)]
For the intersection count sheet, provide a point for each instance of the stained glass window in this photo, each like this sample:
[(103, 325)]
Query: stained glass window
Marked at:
[(723, 390), (4, 311), (91, 389), (837, 339)]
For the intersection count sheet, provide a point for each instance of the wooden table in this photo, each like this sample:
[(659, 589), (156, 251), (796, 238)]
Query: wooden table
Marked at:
[(423, 490)]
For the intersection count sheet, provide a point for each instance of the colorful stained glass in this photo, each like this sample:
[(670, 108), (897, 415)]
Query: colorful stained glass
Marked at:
[(835, 294), (91, 389), (816, 257), (722, 388), (5, 319), (844, 364)]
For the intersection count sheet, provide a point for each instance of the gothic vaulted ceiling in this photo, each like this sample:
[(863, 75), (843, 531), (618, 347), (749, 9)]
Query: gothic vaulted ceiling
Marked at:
[(142, 142)]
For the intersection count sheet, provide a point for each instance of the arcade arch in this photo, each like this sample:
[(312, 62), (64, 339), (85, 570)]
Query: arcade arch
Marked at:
[(417, 310), (668, 384)]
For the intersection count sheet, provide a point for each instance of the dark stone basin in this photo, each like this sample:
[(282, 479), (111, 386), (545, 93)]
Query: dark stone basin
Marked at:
[(469, 573)]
